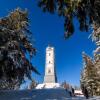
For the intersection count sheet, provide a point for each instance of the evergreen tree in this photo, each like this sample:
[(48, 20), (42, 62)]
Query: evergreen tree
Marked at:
[(96, 38), (14, 43), (89, 76)]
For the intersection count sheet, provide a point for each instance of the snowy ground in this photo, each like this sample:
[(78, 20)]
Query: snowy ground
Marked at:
[(43, 94)]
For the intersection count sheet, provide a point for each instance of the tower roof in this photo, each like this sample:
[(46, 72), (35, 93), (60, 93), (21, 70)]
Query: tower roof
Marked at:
[(50, 48)]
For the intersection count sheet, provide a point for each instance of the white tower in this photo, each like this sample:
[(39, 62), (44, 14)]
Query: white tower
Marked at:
[(50, 73), (50, 79)]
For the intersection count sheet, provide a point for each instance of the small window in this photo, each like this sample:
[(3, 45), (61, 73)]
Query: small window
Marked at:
[(49, 71), (49, 62), (49, 54)]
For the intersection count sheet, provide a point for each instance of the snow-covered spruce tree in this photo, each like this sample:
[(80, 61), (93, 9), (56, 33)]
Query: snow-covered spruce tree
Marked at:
[(95, 61), (89, 76), (14, 43), (96, 38)]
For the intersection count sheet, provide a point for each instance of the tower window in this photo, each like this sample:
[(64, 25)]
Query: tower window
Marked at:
[(49, 62), (49, 54), (49, 71)]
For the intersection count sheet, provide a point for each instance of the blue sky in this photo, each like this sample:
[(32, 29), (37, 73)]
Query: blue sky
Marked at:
[(49, 29)]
